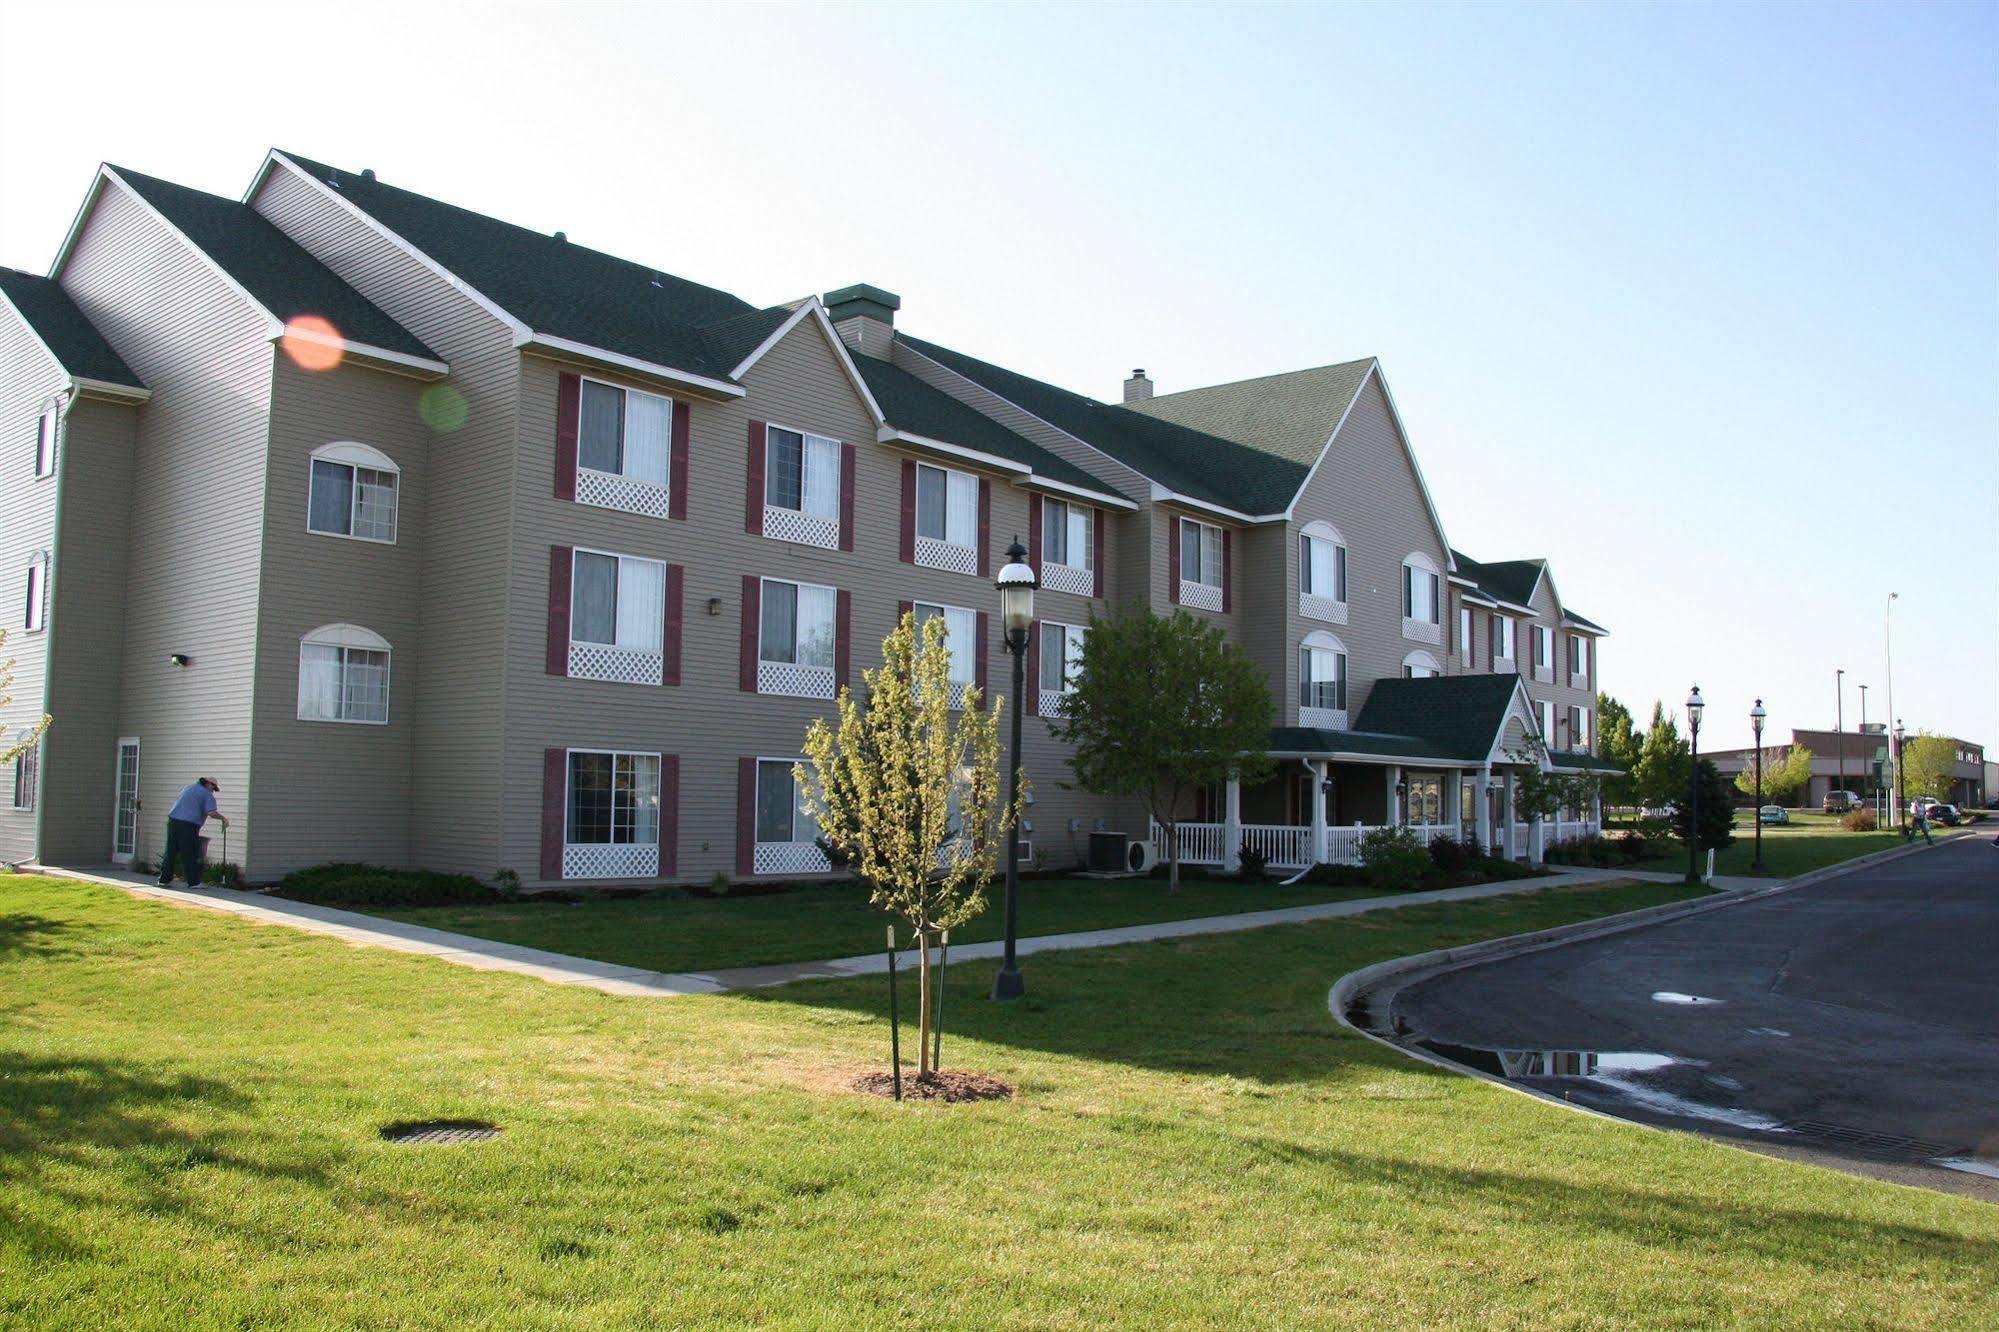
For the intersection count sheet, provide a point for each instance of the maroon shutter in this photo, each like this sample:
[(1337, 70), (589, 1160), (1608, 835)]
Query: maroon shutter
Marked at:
[(752, 624), (560, 560), (903, 608), (908, 551), (669, 815), (848, 454), (985, 527), (979, 656), (554, 794), (1034, 506), (1228, 541), (676, 493), (753, 489), (1097, 541), (843, 636), (1173, 559), (746, 816), (676, 587), (568, 409), (1032, 687)]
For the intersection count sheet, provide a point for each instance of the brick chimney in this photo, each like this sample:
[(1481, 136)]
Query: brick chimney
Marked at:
[(864, 316), (1138, 388)]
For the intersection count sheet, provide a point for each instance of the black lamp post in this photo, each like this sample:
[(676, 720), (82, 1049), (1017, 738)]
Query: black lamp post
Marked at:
[(1756, 716), (1016, 588), (1694, 706)]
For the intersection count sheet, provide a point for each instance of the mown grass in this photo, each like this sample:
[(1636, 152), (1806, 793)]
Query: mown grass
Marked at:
[(190, 1106), (1798, 847)]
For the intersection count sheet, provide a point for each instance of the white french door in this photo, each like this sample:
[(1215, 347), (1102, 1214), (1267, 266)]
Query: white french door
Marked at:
[(125, 810)]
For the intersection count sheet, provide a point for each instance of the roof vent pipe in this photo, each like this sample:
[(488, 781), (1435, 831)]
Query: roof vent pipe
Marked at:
[(1138, 388)]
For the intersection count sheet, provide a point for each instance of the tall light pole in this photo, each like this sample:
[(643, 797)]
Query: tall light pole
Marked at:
[(1888, 646), (1694, 706), (1756, 716), (1863, 733), (1016, 584), (1839, 723), (1898, 767)]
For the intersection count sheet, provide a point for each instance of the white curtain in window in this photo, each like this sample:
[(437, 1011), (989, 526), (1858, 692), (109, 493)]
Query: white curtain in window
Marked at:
[(365, 685), (961, 509), (1080, 552), (319, 682), (822, 477), (961, 628), (1072, 657), (1211, 555), (641, 604), (816, 608), (648, 436), (1325, 579), (643, 786)]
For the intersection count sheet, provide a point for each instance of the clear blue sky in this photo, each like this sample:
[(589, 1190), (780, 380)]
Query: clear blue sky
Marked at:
[(1700, 303)]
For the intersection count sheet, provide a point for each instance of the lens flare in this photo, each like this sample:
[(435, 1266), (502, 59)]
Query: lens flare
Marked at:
[(313, 343), (442, 408)]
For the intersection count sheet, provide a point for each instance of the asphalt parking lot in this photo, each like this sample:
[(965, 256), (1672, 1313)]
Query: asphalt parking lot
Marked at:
[(1854, 1022)]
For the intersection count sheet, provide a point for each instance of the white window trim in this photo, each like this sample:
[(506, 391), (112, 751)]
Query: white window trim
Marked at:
[(1199, 593), (35, 611), (1468, 636), (346, 636), (629, 858), (793, 857), (942, 552), (1579, 679), (1050, 700), (1512, 635), (806, 525), (1066, 575), (652, 498), (1422, 661), (1325, 718), (1321, 605), (789, 679), (51, 416), (1421, 630), (349, 453), (958, 687), (1544, 667), (641, 666)]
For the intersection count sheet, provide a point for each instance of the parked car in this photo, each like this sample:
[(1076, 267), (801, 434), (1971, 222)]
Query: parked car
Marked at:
[(1773, 814), (1948, 815), (1838, 802)]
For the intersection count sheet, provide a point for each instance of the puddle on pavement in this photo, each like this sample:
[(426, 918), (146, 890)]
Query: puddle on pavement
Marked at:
[(1675, 997), (1634, 1075)]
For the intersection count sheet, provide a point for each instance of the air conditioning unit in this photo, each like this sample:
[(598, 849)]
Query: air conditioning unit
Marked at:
[(1107, 852), (1141, 857)]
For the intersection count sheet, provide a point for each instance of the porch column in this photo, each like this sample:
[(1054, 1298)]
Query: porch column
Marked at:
[(1506, 815), (1454, 801), (1232, 825), (1394, 775), (1482, 808), (1318, 768), (1536, 839)]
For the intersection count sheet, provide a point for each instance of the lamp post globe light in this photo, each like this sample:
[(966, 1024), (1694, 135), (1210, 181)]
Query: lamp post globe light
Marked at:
[(1694, 706), (1016, 585), (1756, 716)]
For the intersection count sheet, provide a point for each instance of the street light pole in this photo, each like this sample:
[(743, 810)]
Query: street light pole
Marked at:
[(1694, 706), (1839, 724), (1756, 715), (1888, 647), (1899, 790), (1016, 588)]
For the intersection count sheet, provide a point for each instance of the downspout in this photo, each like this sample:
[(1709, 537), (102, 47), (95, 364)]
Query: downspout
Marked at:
[(67, 396), (1310, 861)]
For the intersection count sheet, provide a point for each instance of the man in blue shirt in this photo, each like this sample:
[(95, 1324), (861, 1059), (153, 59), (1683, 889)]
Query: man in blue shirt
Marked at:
[(194, 807)]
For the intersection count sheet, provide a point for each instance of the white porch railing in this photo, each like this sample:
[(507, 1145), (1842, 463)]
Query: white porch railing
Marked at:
[(1283, 846), (1562, 830), (1519, 841), (1288, 846)]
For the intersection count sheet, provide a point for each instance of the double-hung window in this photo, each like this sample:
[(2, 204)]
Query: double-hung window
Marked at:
[(947, 519), (801, 487), (1544, 718), (1578, 661), (786, 836), (27, 775), (1322, 682), (611, 826), (353, 492), (1464, 636), (624, 449), (47, 425), (1502, 639), (1420, 666), (1061, 658), (795, 639), (36, 613), (1544, 653), (1422, 612), (1322, 574), (961, 635), (617, 618), (343, 675), (1201, 571), (1069, 553), (1579, 736)]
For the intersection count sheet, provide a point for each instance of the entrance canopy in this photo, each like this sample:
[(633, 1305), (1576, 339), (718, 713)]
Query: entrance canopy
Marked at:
[(1460, 721)]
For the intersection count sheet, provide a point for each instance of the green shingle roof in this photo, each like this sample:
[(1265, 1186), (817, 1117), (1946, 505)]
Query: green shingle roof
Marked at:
[(275, 269), (1506, 580), (912, 405), (1190, 462), (1575, 761), (1584, 621), (1291, 415), (1459, 714), (1310, 740), (563, 289), (74, 341)]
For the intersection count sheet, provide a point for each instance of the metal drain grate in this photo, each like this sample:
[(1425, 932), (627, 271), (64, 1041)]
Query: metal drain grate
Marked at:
[(1868, 1142), (441, 1131)]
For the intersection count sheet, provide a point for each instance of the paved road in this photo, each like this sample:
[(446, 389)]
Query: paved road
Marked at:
[(1868, 1003)]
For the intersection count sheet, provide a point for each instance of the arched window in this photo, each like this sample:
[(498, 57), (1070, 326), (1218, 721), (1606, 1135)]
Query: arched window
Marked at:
[(1422, 599), (1420, 666), (48, 425), (36, 614), (343, 675), (1322, 680), (1322, 572), (352, 492)]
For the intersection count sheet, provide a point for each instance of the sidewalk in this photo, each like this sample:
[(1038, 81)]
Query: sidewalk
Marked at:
[(560, 969)]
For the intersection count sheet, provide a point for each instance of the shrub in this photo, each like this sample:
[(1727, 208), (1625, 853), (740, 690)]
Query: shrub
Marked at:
[(1339, 876), (374, 885), (1857, 820), (222, 873), (1631, 846), (1451, 855), (1493, 867), (1395, 859), (1255, 863)]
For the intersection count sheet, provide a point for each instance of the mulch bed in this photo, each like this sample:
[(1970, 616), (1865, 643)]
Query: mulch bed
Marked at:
[(947, 1084)]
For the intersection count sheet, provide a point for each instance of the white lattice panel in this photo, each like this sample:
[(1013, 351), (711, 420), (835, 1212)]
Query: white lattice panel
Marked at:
[(606, 861), (934, 554), (600, 661), (608, 490), (1422, 631), (1201, 596), (1315, 607), (807, 529), (790, 858), (1068, 578), (958, 688), (1052, 702), (1326, 719), (781, 677)]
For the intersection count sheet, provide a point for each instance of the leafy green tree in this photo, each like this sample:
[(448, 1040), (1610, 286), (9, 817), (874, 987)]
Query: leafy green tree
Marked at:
[(1660, 776), (1786, 773), (1927, 763), (1163, 706), (1618, 744), (1715, 828)]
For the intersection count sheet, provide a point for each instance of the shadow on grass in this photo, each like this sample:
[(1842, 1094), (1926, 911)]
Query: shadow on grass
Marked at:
[(24, 935)]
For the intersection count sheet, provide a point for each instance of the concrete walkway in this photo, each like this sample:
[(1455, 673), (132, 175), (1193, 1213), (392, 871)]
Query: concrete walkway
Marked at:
[(560, 969)]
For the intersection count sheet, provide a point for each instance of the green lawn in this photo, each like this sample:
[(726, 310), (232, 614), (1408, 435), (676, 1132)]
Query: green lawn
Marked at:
[(1808, 842), (189, 1113), (676, 931)]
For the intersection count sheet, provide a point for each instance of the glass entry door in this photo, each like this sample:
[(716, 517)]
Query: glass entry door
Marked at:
[(125, 813)]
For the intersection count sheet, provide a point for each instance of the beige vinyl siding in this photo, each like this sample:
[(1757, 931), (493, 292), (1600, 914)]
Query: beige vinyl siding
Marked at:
[(1367, 489), (336, 790), (197, 492), (1548, 613), (466, 521), (28, 377), (1166, 575), (86, 632)]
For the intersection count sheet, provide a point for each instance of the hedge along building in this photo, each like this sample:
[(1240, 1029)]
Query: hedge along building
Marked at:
[(443, 542)]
